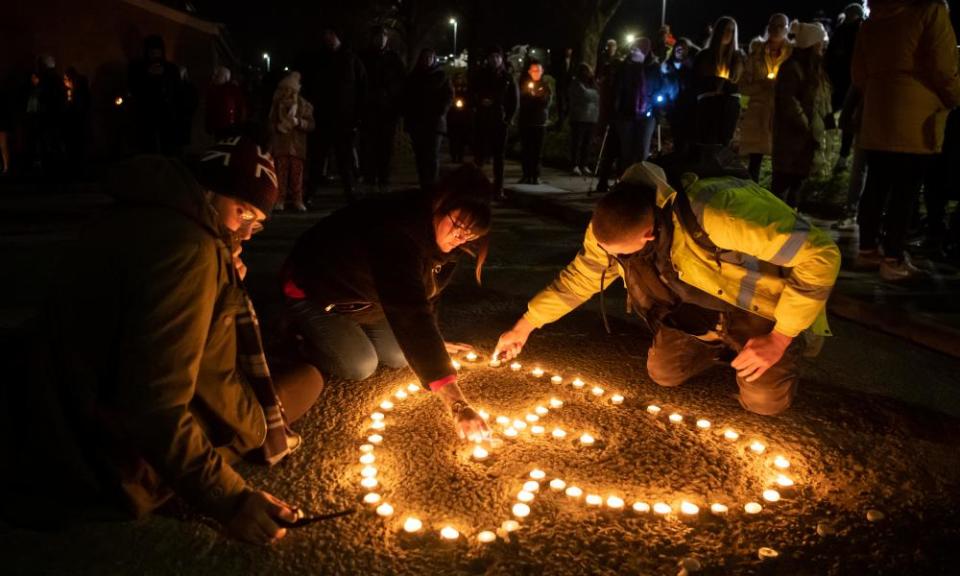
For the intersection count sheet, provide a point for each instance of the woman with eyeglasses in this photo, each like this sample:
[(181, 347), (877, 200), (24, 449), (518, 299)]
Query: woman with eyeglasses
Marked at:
[(361, 284)]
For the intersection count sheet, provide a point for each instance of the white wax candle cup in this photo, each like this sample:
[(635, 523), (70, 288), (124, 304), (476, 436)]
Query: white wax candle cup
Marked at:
[(503, 420), (377, 416), (757, 447), (689, 508), (412, 525), (594, 499), (531, 418), (718, 508), (456, 365), (676, 418), (483, 414), (386, 405), (519, 424), (486, 537), (368, 458), (556, 403), (400, 394), (615, 502), (375, 439), (521, 510), (616, 399), (703, 424), (538, 474), (784, 481), (531, 486), (371, 498), (479, 453), (597, 391), (369, 483), (587, 440), (541, 410), (752, 508), (653, 409), (516, 366), (366, 448), (781, 462), (377, 425), (641, 507), (510, 526), (771, 495), (578, 383), (510, 432), (413, 388), (730, 434), (537, 430), (472, 356), (558, 433), (449, 533), (557, 484), (525, 496), (494, 364), (537, 372), (557, 379), (574, 492), (368, 472), (662, 508), (384, 510)]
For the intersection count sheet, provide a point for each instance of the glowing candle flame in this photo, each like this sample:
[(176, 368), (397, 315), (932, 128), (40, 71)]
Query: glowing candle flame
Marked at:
[(386, 405), (574, 492), (368, 471), (494, 363), (641, 507), (653, 409), (377, 416), (771, 495), (413, 388), (689, 508), (369, 483), (384, 510), (594, 499), (371, 498), (541, 410), (456, 365), (676, 418), (368, 458), (118, 101), (516, 366), (412, 525), (479, 453), (483, 414), (557, 379), (557, 484), (597, 391), (558, 433), (718, 508), (662, 508), (730, 434), (510, 432), (556, 403), (578, 383), (703, 424), (616, 399), (615, 502), (538, 474), (375, 439), (472, 356), (459, 104), (449, 533), (503, 420), (757, 447), (537, 372), (587, 440), (784, 481), (521, 510), (537, 430), (400, 394), (781, 462), (525, 496), (486, 537), (752, 508)]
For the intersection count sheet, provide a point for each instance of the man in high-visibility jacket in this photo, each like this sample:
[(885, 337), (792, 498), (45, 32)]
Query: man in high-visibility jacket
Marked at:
[(721, 270)]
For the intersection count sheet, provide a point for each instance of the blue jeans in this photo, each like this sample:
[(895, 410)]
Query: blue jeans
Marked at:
[(348, 346)]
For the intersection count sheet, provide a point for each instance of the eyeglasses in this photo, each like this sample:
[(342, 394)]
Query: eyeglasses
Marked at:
[(462, 232)]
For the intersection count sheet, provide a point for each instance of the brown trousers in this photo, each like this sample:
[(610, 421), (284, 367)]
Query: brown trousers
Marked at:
[(676, 356)]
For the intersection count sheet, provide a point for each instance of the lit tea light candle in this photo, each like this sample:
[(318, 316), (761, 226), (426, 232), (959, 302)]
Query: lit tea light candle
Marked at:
[(653, 409), (483, 414), (781, 462), (752, 508), (557, 484), (377, 416), (384, 510), (558, 433), (538, 474), (412, 524), (556, 379), (525, 496), (375, 439), (366, 448), (730, 434), (472, 356), (377, 425), (578, 383), (537, 430), (765, 553), (703, 424), (368, 472), (519, 424), (771, 495), (521, 510), (369, 483), (587, 440), (456, 364), (531, 486), (676, 418), (689, 508), (531, 418), (556, 403), (662, 508), (495, 363), (486, 537), (594, 499), (479, 453), (400, 394), (615, 502), (757, 447), (368, 458), (516, 366), (597, 391), (371, 498), (449, 533), (541, 410), (616, 399), (510, 432), (503, 420), (537, 372), (784, 481), (386, 405), (719, 509), (413, 388), (641, 507), (510, 526), (573, 492)]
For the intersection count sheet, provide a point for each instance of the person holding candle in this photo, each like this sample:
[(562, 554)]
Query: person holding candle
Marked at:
[(720, 269), (361, 284), (535, 99), (717, 72), (767, 54), (493, 96)]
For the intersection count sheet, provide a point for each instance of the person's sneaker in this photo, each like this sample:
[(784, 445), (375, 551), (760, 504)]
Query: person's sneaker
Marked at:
[(279, 207), (868, 260), (894, 270), (849, 223), (300, 207), (576, 171), (587, 171), (535, 181)]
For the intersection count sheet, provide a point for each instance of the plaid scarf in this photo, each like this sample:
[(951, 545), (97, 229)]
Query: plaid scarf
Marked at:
[(280, 439)]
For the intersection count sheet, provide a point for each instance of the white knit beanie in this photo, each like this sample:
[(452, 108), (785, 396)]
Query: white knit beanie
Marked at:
[(806, 34)]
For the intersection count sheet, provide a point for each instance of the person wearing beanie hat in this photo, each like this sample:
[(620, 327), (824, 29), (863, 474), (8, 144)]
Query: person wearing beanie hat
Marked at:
[(291, 118), (160, 381), (802, 102)]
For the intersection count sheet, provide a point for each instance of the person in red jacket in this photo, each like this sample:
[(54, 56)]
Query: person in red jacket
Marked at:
[(226, 104)]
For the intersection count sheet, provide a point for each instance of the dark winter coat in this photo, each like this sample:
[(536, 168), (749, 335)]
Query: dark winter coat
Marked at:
[(800, 106), (839, 58), (143, 351), (584, 103), (708, 79), (385, 80), (339, 90), (535, 100), (635, 89), (381, 251), (427, 98), (494, 96)]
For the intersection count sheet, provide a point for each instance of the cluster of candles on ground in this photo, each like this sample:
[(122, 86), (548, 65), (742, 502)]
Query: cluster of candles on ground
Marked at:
[(537, 482)]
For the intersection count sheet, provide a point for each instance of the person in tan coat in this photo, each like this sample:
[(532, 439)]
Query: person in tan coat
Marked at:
[(767, 54), (905, 66), (291, 117)]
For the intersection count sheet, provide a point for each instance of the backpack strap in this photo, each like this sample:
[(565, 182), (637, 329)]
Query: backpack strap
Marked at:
[(684, 212)]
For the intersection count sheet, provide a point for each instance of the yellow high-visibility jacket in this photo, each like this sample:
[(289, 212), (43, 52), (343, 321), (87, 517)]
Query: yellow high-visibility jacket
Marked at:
[(772, 261)]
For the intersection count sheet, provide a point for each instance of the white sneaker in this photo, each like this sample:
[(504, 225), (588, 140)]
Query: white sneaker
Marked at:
[(576, 171), (300, 207), (893, 270), (279, 207), (587, 171)]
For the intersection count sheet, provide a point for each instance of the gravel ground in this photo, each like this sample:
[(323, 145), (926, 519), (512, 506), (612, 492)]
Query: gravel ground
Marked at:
[(849, 453)]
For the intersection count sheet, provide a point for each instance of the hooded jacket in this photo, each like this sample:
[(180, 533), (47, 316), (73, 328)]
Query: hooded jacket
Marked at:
[(144, 345), (427, 99)]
